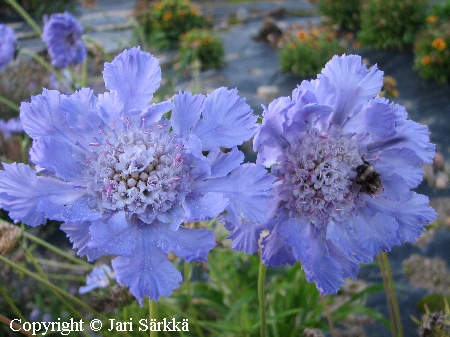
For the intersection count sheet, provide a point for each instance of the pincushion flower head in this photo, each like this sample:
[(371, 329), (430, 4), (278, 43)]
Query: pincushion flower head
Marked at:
[(62, 36), (123, 178), (8, 41), (344, 162)]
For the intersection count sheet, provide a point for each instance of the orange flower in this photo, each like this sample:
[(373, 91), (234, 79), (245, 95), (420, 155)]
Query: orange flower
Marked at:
[(292, 45), (432, 18), (439, 44), (302, 35), (159, 6), (426, 60)]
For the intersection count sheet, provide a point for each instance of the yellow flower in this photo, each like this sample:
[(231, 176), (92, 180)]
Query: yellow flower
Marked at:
[(159, 6), (426, 60), (302, 35), (439, 43), (292, 45), (167, 16), (432, 18)]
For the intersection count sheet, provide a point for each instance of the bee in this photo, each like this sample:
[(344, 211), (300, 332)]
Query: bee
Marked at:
[(369, 179)]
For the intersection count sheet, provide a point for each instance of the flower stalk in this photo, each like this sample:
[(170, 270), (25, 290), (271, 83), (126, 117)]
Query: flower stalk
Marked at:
[(261, 297)]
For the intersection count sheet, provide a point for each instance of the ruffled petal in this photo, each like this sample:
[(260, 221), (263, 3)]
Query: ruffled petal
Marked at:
[(248, 190), (412, 213), (186, 112), (80, 111), (223, 163), (354, 84), (114, 234), (146, 270), (111, 109), (227, 120), (246, 238), (55, 156), (190, 244), (198, 163), (37, 199), (79, 236), (401, 160), (375, 117), (311, 250), (135, 76), (153, 113), (42, 117), (410, 135), (203, 206)]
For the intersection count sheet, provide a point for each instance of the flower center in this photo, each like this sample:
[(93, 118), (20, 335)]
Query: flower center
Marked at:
[(138, 171), (318, 176)]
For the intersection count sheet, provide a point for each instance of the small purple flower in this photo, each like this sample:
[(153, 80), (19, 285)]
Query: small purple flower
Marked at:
[(12, 125), (99, 277), (62, 35), (8, 41), (123, 178), (344, 163)]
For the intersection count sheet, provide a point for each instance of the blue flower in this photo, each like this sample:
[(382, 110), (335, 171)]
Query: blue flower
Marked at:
[(62, 36), (344, 162), (8, 41), (99, 277), (12, 125), (123, 178)]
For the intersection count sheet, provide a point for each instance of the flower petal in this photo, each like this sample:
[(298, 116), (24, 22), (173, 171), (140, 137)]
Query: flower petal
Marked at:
[(203, 206), (246, 238), (135, 75), (248, 189), (38, 199), (223, 163), (79, 236), (186, 112), (227, 120), (311, 249), (354, 84), (146, 270), (180, 242), (153, 113), (412, 214)]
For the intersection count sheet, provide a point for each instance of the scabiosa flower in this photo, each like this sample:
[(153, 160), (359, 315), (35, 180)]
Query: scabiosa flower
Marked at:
[(123, 178), (8, 41), (62, 35), (344, 162), (12, 125), (99, 277)]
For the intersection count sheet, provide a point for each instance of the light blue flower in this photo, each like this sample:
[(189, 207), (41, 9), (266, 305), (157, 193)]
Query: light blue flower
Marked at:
[(99, 277), (8, 41), (62, 36), (123, 178), (344, 162), (12, 125)]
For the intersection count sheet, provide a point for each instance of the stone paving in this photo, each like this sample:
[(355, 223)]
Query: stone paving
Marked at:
[(251, 65)]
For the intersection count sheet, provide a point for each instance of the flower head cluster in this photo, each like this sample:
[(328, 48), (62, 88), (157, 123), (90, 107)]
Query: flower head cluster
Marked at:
[(344, 162), (8, 41), (62, 35), (123, 178)]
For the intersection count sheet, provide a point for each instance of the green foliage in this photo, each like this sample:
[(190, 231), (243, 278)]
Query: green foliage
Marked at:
[(388, 24), (37, 8), (162, 22), (432, 45), (305, 53), (204, 46), (345, 13), (432, 303)]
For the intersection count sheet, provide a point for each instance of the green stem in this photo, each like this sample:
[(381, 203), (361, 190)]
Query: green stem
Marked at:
[(11, 304), (74, 299), (58, 295), (395, 306), (22, 12), (9, 103), (189, 299), (83, 79), (261, 297), (58, 251), (153, 307)]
